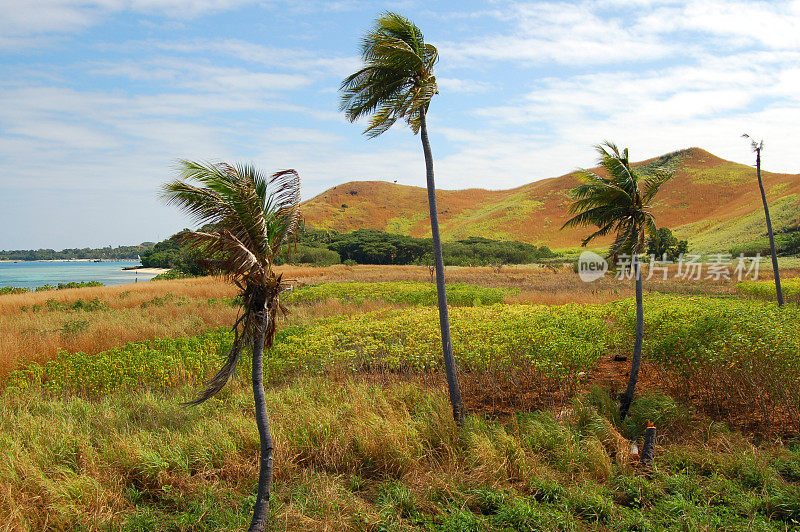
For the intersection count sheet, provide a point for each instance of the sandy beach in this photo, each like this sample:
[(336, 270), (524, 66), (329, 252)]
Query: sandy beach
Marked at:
[(156, 271)]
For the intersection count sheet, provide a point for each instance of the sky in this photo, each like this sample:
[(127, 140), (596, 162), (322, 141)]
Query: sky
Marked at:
[(99, 98)]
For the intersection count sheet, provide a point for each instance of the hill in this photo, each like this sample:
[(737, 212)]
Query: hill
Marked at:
[(712, 202)]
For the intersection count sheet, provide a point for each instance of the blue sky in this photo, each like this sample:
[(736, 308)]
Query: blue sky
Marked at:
[(98, 98)]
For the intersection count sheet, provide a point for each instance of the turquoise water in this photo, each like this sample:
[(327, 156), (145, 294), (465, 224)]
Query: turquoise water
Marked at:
[(33, 274)]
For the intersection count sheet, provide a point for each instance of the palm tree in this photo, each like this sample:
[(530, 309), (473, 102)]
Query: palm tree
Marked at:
[(620, 204), (757, 147), (397, 82), (254, 218)]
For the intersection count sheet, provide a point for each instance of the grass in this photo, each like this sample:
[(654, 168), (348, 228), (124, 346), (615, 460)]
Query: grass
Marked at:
[(553, 343), (36, 326), (402, 292), (358, 456), (736, 359), (708, 237), (365, 438)]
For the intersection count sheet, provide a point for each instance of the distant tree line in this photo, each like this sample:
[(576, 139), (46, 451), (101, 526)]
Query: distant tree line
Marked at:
[(365, 246), (369, 246), (108, 253), (176, 254)]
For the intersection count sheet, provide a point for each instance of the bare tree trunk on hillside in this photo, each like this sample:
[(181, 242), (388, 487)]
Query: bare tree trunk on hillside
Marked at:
[(774, 254)]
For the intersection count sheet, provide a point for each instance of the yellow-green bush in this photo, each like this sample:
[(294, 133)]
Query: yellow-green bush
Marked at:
[(737, 358), (552, 341), (406, 292), (766, 289)]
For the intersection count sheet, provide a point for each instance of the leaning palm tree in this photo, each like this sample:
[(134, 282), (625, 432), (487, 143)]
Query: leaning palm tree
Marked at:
[(397, 82), (620, 204), (255, 217), (757, 147)]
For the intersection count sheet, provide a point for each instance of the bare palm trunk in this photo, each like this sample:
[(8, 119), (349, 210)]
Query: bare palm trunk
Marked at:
[(769, 231), (261, 509), (637, 347), (444, 319)]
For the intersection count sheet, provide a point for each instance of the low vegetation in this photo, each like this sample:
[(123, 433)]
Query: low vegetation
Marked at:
[(409, 293), (737, 360), (44, 288), (786, 244), (766, 289), (365, 437), (356, 455)]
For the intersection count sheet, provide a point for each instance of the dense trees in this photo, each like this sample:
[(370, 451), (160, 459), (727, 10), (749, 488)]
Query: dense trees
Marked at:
[(108, 253), (666, 245)]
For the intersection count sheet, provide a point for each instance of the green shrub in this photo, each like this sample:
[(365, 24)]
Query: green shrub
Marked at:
[(172, 274), (12, 290), (658, 408)]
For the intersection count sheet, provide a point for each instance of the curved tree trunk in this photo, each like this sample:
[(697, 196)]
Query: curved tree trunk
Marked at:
[(637, 347), (775, 271), (444, 319), (261, 509)]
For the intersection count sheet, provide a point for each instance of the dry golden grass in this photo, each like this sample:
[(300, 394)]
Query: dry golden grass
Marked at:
[(130, 312)]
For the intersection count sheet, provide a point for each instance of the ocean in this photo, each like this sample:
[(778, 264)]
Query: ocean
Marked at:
[(32, 274)]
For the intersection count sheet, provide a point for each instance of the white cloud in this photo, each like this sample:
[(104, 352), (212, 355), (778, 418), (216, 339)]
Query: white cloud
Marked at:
[(564, 33)]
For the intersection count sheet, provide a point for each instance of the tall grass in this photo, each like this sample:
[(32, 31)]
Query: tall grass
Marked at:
[(358, 456)]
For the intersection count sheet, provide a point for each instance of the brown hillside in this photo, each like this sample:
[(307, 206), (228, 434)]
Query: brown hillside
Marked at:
[(713, 202)]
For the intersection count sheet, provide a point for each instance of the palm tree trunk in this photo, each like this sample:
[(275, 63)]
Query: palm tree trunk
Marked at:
[(261, 509), (637, 347), (444, 319), (775, 271)]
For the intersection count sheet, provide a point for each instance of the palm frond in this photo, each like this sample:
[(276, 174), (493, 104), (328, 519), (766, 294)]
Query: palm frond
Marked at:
[(396, 81), (615, 204)]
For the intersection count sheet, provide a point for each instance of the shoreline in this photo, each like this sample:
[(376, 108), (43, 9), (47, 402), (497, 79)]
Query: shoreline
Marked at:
[(69, 260), (156, 271)]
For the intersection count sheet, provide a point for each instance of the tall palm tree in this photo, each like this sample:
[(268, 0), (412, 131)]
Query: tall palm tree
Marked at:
[(397, 82), (620, 204), (757, 147), (255, 217)]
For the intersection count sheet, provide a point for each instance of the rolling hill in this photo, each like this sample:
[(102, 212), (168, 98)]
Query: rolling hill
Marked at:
[(712, 202)]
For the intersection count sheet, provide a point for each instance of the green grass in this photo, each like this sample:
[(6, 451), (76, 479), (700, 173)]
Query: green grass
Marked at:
[(43, 288), (100, 441), (365, 457), (720, 237), (554, 342), (551, 342), (403, 225), (404, 292)]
